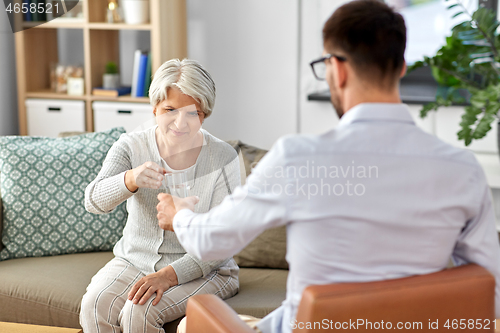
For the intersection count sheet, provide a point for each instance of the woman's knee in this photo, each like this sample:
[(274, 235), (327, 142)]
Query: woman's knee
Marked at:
[(87, 309), (136, 314), (230, 287), (100, 305), (156, 315), (88, 303)]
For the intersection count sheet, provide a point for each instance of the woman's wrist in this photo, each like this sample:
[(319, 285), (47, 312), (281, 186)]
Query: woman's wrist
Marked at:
[(129, 181), (170, 275)]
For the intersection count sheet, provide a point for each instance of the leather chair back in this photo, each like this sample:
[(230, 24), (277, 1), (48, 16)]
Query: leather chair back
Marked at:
[(455, 297)]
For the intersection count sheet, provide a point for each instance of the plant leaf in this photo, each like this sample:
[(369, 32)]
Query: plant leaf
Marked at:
[(469, 118), (483, 126), (480, 55), (427, 108), (416, 64)]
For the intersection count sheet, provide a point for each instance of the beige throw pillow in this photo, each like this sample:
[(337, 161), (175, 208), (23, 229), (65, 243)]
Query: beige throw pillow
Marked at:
[(268, 250)]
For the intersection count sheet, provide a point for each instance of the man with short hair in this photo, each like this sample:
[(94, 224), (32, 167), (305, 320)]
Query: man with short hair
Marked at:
[(375, 198)]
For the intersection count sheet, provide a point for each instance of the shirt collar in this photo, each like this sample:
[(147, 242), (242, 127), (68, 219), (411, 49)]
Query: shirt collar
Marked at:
[(379, 112)]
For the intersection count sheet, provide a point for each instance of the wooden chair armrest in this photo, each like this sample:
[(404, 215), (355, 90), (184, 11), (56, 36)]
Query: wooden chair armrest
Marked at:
[(209, 314)]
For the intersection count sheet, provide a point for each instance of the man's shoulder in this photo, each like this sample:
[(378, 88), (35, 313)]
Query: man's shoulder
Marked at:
[(430, 146), (460, 155)]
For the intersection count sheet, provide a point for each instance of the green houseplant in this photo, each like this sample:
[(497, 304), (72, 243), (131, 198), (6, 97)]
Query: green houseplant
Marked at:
[(468, 66), (111, 77)]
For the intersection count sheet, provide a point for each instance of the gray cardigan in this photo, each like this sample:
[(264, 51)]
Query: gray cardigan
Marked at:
[(143, 243)]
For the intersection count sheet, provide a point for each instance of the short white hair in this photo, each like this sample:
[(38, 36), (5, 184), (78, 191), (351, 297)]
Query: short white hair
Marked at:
[(189, 77)]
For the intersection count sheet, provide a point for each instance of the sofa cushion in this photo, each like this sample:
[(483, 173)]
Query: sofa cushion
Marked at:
[(48, 290), (267, 250), (251, 155), (261, 291), (43, 182)]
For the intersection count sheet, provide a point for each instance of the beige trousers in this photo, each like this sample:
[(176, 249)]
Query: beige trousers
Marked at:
[(249, 320), (105, 307)]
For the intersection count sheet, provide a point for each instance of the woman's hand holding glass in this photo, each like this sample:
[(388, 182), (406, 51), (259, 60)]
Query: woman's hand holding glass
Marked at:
[(147, 175)]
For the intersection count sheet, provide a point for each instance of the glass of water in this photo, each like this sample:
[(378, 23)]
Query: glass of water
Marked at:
[(176, 182)]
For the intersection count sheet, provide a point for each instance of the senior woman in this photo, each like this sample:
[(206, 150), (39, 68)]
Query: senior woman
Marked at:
[(151, 277)]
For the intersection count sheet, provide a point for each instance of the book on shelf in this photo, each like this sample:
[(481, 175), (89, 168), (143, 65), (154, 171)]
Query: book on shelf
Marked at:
[(141, 74), (34, 15), (135, 72), (27, 16), (38, 15), (148, 77), (100, 91), (41, 13)]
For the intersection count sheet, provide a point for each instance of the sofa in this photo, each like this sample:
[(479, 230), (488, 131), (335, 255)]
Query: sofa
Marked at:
[(47, 290)]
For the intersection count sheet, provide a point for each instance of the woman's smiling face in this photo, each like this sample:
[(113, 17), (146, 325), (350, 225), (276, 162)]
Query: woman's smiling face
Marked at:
[(179, 116)]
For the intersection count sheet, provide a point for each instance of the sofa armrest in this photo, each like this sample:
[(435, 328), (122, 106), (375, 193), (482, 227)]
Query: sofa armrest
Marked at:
[(209, 314)]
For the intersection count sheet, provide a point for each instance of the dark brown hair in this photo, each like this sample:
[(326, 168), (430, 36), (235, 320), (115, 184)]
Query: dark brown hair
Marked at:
[(371, 35)]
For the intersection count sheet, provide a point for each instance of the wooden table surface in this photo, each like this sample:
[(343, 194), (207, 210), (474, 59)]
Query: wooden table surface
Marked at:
[(23, 328)]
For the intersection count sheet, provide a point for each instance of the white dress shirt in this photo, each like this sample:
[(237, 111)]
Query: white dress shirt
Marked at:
[(376, 198)]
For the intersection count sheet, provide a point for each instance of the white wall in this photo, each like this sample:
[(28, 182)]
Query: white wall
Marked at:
[(250, 47), (315, 117), (258, 52), (8, 83)]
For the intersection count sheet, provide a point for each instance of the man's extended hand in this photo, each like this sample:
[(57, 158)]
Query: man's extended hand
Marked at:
[(169, 206)]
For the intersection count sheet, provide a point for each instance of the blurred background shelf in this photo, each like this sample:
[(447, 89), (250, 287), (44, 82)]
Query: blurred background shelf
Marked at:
[(119, 26), (126, 98), (93, 43), (57, 23), (52, 95)]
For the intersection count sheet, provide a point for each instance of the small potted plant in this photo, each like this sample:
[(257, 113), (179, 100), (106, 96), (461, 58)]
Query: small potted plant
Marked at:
[(468, 66), (111, 77)]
